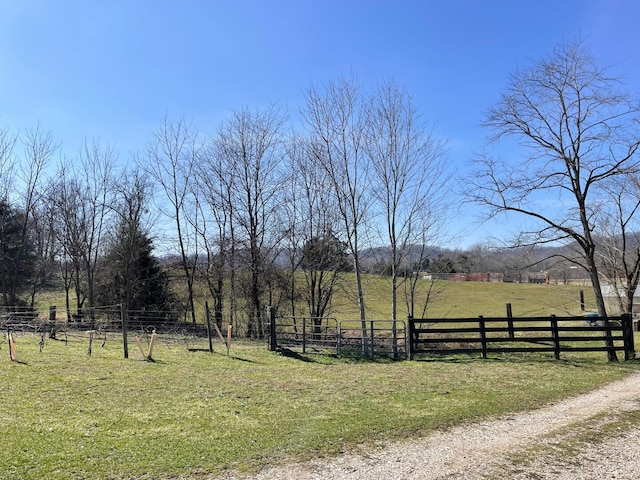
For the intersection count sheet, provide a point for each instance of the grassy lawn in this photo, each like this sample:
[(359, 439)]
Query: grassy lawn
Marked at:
[(67, 415)]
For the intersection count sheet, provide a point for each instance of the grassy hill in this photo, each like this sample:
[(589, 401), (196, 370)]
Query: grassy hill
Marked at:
[(448, 299), (469, 299)]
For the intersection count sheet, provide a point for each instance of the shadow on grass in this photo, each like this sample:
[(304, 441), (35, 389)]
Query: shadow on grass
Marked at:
[(242, 359), (206, 350), (509, 358), (285, 352), (19, 362), (515, 359), (330, 358)]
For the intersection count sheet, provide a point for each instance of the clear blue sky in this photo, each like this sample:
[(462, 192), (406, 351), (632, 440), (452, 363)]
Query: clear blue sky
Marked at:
[(111, 69)]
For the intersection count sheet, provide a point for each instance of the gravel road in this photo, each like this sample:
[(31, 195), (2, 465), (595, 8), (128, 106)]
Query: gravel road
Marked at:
[(539, 444)]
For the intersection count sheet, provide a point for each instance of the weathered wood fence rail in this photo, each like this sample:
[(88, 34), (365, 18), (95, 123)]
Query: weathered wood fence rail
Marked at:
[(480, 335), (532, 334)]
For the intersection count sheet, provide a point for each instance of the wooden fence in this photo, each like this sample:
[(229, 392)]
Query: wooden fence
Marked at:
[(506, 335), (450, 336)]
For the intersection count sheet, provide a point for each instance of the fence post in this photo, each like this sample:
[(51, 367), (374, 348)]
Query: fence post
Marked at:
[(304, 334), (582, 300), (373, 337), (410, 333), (52, 322), (271, 314), (510, 321), (483, 336), (208, 323), (627, 333), (556, 337), (608, 340), (123, 318), (90, 342), (394, 330)]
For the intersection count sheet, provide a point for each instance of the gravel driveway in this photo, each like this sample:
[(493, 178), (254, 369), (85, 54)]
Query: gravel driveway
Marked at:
[(550, 443)]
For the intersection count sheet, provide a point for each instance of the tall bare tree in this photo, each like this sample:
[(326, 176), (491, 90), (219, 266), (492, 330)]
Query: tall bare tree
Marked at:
[(579, 131), (409, 181), (213, 181), (68, 197), (7, 162), (313, 227), (45, 240), (618, 250), (83, 195), (170, 160), (97, 174), (30, 193), (335, 117), (250, 145)]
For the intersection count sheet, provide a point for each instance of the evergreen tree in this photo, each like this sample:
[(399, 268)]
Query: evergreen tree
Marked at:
[(324, 260), (325, 253), (130, 274), (17, 254)]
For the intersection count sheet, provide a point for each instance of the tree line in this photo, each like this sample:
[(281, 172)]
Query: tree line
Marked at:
[(259, 213), (264, 213)]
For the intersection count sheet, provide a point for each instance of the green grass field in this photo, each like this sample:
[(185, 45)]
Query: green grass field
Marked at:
[(469, 299), (67, 415), (448, 299)]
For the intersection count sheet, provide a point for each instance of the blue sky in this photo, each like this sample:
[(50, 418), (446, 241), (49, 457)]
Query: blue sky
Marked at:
[(111, 69)]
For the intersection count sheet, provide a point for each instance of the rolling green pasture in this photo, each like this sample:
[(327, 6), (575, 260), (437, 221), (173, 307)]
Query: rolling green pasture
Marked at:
[(469, 299), (191, 414), (67, 415), (447, 299)]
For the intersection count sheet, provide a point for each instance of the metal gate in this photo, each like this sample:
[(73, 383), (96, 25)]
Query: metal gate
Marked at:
[(370, 338)]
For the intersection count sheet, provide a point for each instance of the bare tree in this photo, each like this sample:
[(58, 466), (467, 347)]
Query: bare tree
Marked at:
[(97, 175), (7, 162), (7, 179), (129, 238), (295, 145), (83, 197), (580, 132), (313, 226), (68, 198), (170, 160), (335, 117), (31, 186), (129, 273), (45, 241), (409, 181), (618, 251), (249, 144), (213, 181)]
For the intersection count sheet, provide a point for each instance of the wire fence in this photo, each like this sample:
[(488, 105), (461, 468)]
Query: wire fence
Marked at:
[(111, 326)]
